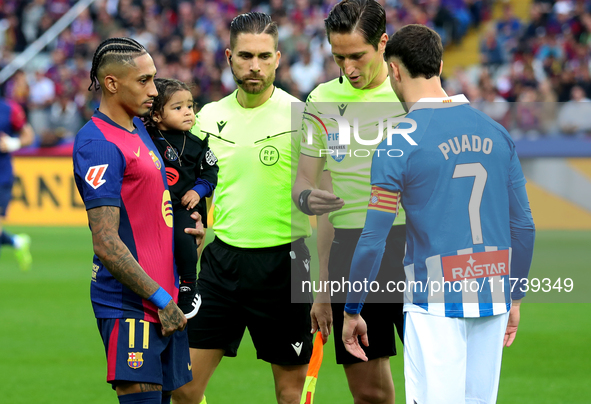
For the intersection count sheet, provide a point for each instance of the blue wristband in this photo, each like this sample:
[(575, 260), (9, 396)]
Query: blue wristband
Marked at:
[(160, 298)]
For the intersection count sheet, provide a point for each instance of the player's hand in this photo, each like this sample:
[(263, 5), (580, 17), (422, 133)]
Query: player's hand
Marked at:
[(354, 326), (321, 315), (198, 232), (321, 202), (172, 319), (512, 324), (190, 199)]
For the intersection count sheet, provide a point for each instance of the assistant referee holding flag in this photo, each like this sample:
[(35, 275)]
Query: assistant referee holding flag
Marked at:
[(246, 272), (356, 30)]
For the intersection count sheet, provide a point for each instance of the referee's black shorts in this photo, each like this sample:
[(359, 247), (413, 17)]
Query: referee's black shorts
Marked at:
[(251, 287), (381, 311)]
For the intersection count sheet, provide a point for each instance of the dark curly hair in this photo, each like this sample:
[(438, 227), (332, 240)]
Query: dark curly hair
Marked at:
[(166, 88)]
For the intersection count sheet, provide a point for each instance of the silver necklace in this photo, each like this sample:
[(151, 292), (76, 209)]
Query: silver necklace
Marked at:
[(178, 156)]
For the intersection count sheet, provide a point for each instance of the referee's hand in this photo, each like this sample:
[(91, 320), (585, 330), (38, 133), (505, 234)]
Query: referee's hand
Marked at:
[(172, 319), (321, 202), (354, 326), (198, 231), (321, 316)]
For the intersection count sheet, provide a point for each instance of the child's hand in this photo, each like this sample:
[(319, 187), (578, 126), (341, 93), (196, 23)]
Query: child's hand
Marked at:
[(190, 199)]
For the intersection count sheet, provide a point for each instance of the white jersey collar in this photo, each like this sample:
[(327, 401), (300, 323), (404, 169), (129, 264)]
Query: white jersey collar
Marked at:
[(436, 102)]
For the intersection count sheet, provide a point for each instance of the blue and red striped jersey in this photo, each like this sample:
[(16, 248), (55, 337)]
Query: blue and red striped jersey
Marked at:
[(115, 167)]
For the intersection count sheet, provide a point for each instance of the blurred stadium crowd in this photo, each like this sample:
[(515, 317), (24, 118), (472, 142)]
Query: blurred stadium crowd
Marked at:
[(542, 66), (546, 58)]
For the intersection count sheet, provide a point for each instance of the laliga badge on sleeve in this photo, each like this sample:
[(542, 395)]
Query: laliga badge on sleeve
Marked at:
[(94, 175)]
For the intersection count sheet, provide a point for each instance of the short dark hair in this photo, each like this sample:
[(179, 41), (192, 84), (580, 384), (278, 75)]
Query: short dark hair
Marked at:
[(366, 16), (166, 89), (113, 50), (253, 23), (419, 49)]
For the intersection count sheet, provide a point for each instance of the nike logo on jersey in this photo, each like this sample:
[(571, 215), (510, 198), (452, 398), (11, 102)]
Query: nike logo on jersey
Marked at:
[(221, 125), (342, 109), (137, 154), (297, 347), (94, 175)]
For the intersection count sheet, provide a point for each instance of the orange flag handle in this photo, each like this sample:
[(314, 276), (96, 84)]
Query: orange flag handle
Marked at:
[(313, 368)]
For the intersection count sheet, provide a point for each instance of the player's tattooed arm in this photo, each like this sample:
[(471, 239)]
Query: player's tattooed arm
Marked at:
[(114, 254), (172, 318), (116, 257)]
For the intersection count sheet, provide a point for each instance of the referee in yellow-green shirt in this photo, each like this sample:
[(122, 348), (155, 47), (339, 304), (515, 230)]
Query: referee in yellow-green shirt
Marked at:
[(356, 30), (247, 271)]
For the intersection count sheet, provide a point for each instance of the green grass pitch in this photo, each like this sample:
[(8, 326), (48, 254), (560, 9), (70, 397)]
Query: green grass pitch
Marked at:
[(50, 350)]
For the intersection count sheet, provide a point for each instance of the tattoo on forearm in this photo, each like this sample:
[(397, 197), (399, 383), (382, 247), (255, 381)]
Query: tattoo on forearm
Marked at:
[(115, 256)]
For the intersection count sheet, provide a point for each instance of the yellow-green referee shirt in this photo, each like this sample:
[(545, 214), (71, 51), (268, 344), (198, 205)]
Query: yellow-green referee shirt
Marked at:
[(350, 168), (253, 206)]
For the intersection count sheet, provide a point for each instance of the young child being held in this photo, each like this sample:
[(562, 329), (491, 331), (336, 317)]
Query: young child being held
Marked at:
[(192, 175)]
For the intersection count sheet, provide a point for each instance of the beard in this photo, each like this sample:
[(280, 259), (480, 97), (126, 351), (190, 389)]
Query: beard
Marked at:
[(257, 88)]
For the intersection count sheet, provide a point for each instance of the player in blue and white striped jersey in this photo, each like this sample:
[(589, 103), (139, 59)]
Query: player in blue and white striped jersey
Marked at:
[(469, 229)]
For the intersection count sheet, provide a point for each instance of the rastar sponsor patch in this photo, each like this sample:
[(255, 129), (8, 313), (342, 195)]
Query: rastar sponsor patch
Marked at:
[(94, 175), (476, 265)]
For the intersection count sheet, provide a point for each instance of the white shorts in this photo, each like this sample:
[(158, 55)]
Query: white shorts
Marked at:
[(449, 360)]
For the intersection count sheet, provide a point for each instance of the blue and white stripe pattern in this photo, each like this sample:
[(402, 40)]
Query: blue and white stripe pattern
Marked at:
[(426, 289)]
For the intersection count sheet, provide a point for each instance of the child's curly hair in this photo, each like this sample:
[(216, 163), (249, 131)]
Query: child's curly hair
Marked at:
[(166, 88)]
